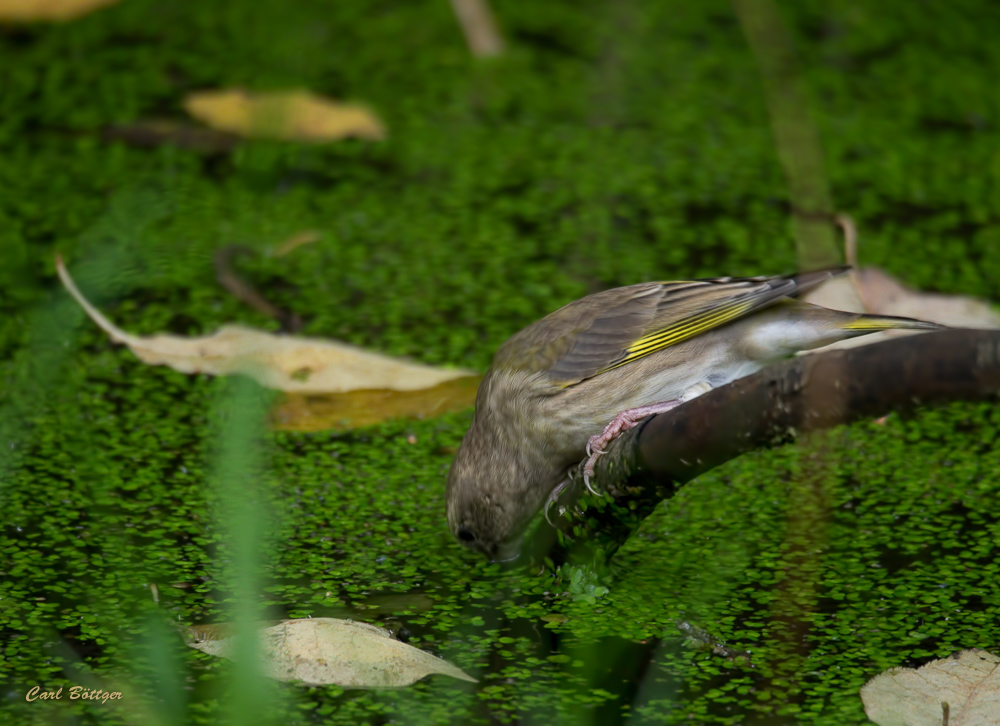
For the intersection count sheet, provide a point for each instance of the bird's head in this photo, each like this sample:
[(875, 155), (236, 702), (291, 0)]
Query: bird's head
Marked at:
[(488, 504), (505, 467), (498, 481)]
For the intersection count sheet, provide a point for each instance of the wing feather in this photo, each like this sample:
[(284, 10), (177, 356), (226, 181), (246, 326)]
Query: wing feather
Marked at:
[(616, 327)]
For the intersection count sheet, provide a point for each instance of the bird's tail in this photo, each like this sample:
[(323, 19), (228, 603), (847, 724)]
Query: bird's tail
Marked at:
[(863, 324), (806, 281), (853, 325), (791, 326)]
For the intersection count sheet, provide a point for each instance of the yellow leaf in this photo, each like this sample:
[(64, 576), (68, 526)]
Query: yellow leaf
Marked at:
[(309, 412), (287, 115), (27, 11), (319, 651), (285, 363)]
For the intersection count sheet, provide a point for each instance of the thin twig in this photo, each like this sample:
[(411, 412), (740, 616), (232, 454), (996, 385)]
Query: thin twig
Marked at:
[(479, 27), (850, 230), (242, 290)]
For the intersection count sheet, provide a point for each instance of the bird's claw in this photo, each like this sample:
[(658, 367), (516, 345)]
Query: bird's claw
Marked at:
[(595, 448), (621, 423), (553, 496), (588, 471)]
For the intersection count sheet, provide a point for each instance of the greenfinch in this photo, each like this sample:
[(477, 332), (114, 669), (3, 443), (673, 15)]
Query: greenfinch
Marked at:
[(564, 386)]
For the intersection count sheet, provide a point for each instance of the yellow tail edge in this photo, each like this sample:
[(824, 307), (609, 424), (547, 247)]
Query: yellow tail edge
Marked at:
[(870, 323)]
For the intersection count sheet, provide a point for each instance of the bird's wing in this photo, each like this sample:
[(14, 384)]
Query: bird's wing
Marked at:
[(616, 327)]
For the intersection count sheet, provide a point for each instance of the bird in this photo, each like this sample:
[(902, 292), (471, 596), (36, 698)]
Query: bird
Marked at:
[(563, 387)]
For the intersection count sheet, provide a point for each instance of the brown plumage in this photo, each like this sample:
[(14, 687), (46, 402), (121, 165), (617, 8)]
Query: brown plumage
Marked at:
[(559, 382)]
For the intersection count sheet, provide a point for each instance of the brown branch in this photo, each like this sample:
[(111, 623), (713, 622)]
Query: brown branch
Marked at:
[(155, 132), (649, 463)]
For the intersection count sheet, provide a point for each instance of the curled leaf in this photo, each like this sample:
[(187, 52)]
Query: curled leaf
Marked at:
[(302, 365), (320, 651), (286, 115)]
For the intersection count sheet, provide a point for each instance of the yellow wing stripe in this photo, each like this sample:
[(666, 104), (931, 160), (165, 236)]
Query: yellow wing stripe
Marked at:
[(688, 328), (682, 331)]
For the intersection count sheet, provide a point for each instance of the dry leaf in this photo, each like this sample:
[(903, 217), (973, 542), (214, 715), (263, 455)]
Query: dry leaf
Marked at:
[(287, 115), (871, 290), (27, 11), (308, 412), (302, 365), (963, 690), (320, 651)]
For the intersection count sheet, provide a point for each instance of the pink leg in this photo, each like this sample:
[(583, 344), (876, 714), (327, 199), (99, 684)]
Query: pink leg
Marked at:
[(621, 423)]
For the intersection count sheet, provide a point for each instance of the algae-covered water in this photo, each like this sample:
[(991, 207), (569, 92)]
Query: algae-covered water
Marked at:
[(615, 142)]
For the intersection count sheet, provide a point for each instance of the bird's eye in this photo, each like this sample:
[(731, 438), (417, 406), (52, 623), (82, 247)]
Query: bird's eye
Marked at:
[(465, 535)]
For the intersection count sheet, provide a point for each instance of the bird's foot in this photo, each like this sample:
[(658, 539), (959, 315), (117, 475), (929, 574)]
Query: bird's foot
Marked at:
[(621, 423)]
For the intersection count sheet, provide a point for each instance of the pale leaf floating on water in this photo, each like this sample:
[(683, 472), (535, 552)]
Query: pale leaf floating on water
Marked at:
[(284, 363), (293, 115), (961, 690), (321, 651)]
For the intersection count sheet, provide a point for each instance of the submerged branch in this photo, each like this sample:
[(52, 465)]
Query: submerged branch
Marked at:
[(795, 135), (648, 463)]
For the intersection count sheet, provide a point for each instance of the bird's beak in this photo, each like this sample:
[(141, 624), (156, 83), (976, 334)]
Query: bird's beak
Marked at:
[(506, 552)]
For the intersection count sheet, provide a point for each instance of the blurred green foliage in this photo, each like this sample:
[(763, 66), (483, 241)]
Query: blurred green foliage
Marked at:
[(615, 143)]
